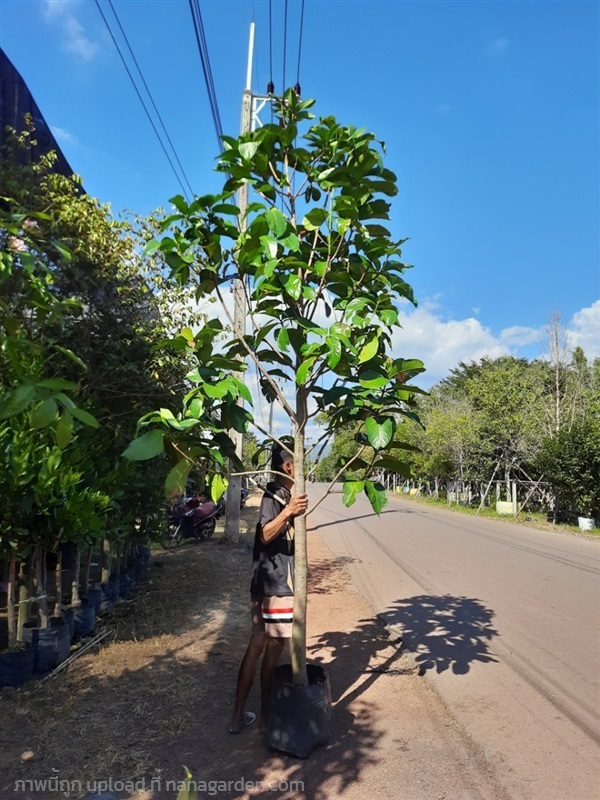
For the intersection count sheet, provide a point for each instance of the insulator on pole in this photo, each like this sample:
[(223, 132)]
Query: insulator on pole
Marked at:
[(297, 89), (270, 88)]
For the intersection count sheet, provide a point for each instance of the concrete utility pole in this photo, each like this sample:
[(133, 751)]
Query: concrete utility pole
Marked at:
[(232, 517)]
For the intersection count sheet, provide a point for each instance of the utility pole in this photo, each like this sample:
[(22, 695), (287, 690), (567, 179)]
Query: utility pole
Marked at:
[(232, 517)]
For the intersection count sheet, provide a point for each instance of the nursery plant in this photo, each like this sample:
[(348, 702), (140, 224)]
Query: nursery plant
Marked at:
[(323, 278)]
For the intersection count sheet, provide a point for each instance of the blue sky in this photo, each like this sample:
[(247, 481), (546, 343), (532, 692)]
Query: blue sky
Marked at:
[(490, 113)]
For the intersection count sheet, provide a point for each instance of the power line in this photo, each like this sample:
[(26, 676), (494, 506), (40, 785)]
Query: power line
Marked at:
[(285, 19), (297, 87), (135, 61), (206, 68), (141, 100), (271, 86)]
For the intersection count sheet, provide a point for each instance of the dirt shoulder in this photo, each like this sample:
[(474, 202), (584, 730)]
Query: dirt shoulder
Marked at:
[(159, 695)]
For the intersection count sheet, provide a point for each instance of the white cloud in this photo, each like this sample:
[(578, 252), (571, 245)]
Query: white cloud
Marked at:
[(519, 336), (441, 343), (75, 39), (499, 47), (584, 330), (63, 136)]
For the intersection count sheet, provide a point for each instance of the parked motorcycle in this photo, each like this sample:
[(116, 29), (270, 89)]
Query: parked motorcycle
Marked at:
[(195, 518)]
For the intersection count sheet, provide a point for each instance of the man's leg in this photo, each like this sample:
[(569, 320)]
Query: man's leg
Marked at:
[(271, 660), (246, 678)]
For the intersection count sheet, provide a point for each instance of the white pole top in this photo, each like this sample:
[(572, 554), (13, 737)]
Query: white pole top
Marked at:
[(250, 55)]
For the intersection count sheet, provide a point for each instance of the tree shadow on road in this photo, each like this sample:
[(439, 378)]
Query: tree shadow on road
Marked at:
[(444, 632)]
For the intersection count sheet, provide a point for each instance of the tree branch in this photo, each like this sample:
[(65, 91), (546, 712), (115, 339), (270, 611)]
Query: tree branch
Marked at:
[(287, 408), (273, 438), (334, 481)]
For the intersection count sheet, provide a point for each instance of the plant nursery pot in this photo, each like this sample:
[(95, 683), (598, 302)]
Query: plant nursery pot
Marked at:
[(68, 614), (51, 645), (586, 523), (124, 585), (94, 598), (299, 716), (110, 595), (16, 666), (85, 619)]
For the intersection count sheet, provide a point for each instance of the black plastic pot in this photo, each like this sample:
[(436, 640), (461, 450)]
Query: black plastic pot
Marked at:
[(94, 598), (16, 666), (51, 645), (68, 614), (132, 579), (124, 585), (110, 595), (299, 716), (85, 618)]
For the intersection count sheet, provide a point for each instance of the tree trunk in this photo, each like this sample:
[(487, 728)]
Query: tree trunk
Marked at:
[(10, 603), (75, 582), (300, 677), (58, 583), (24, 591), (85, 583), (105, 555), (40, 586)]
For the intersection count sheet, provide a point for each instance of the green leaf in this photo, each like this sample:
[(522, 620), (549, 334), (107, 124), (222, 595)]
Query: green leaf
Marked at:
[(269, 246), (248, 150), (70, 354), (314, 219), (147, 446), (151, 247), (64, 430), (351, 489), (379, 434), (17, 401), (177, 478), (276, 221), (226, 208), (85, 417), (369, 351), (291, 241), (335, 352), (293, 286), (394, 464), (369, 379), (44, 414), (216, 390), (283, 339), (304, 369), (242, 389), (377, 496), (57, 384), (218, 486)]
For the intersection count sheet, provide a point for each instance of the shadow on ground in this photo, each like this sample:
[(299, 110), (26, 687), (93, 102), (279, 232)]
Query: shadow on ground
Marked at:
[(444, 632)]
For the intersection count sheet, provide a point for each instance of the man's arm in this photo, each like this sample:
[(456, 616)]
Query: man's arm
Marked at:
[(271, 530)]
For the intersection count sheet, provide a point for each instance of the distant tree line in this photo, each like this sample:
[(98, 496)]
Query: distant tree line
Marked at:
[(504, 419)]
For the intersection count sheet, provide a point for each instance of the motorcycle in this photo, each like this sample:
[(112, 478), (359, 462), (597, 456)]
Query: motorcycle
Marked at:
[(194, 518)]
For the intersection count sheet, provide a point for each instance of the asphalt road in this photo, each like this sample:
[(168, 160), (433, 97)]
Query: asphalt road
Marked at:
[(504, 622)]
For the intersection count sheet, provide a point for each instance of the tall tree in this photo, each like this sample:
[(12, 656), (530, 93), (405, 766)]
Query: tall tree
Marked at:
[(322, 275)]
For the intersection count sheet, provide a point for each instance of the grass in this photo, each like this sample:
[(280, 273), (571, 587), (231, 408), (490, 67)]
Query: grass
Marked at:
[(532, 519)]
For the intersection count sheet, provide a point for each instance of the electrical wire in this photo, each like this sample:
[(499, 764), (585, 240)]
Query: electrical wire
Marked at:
[(142, 100), (135, 61), (297, 87), (271, 86), (285, 19), (206, 68)]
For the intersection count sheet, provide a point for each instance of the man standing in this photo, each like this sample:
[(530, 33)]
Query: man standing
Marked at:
[(271, 589)]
